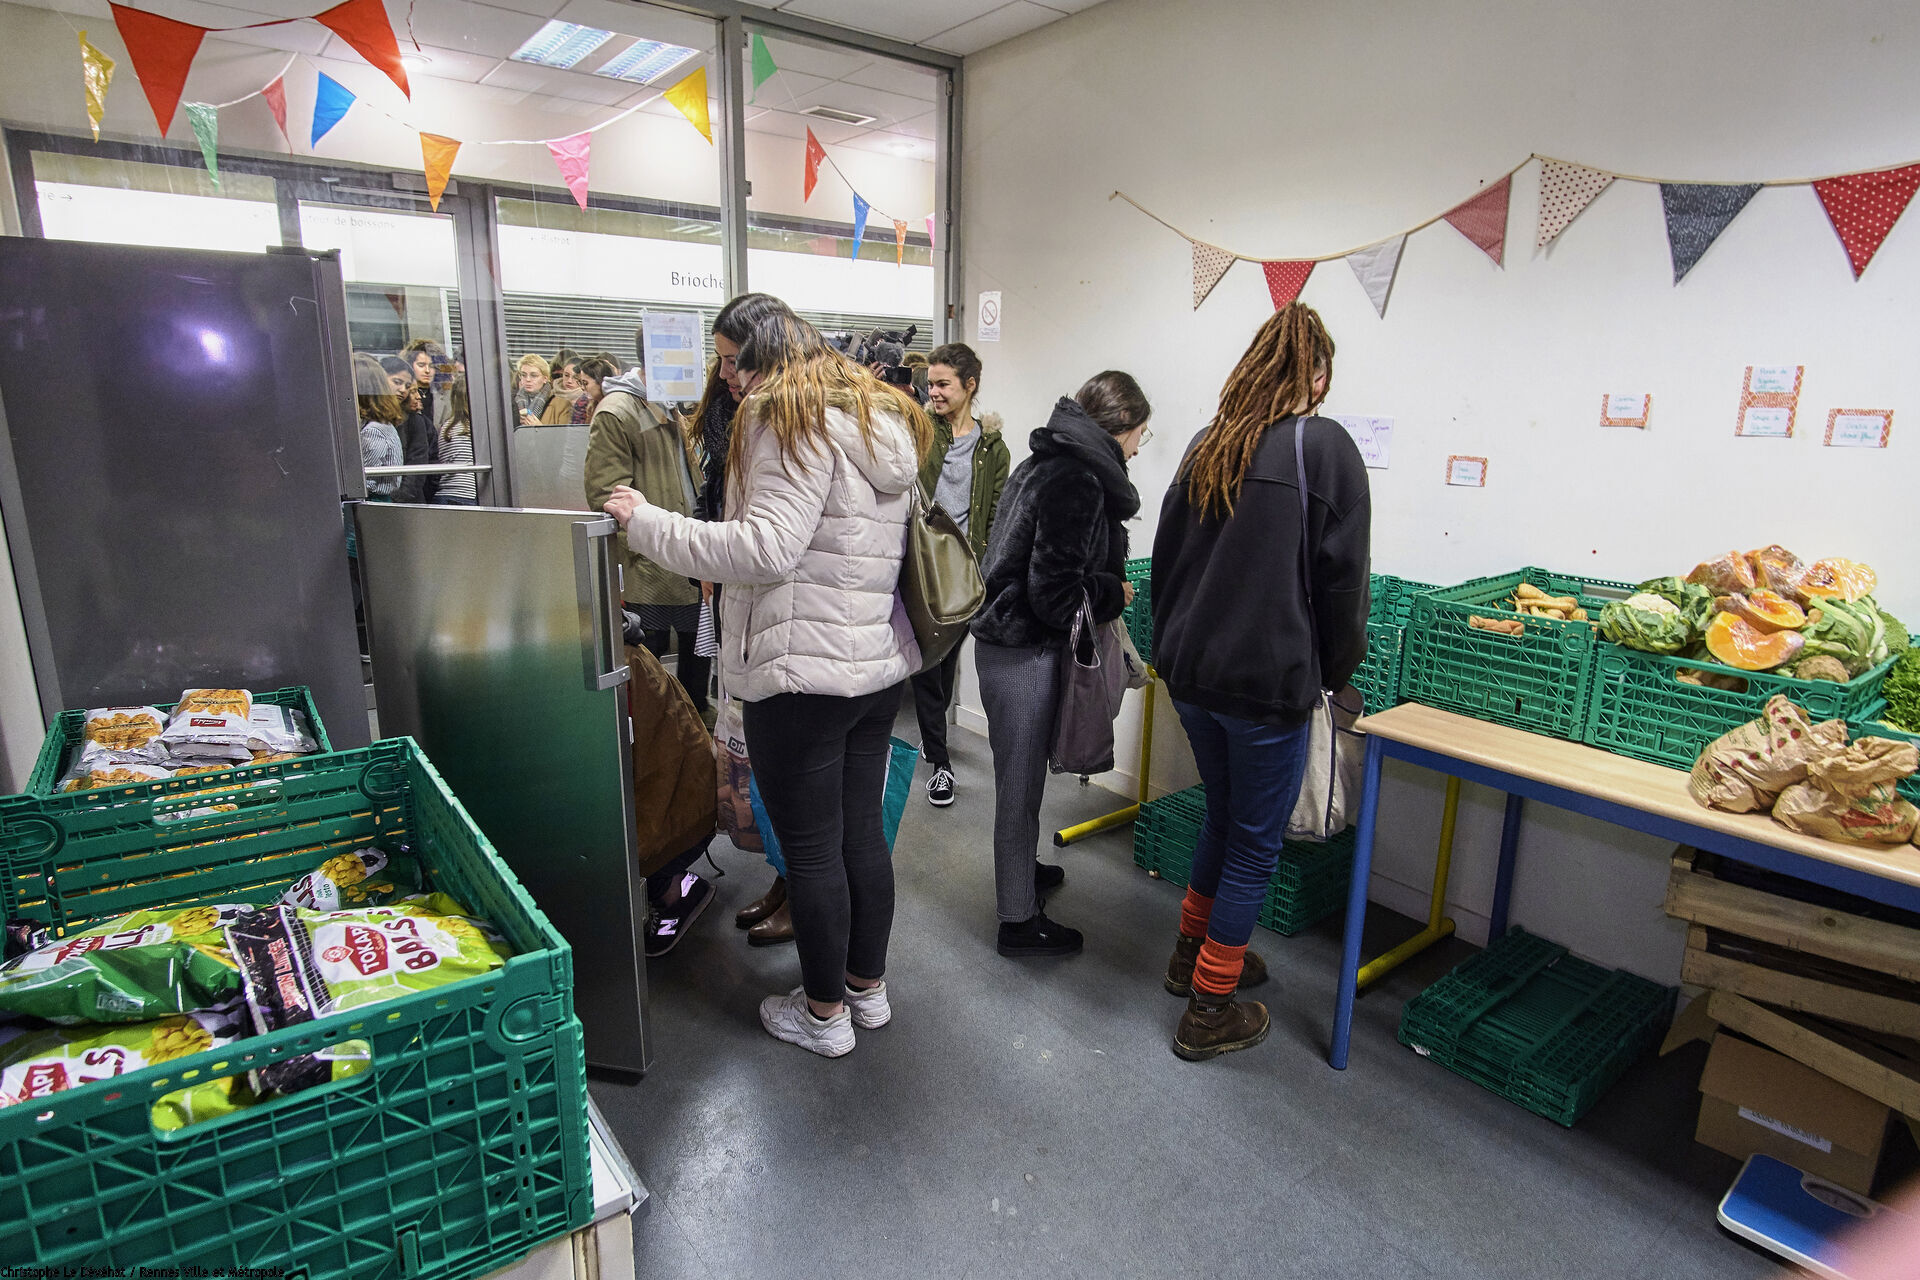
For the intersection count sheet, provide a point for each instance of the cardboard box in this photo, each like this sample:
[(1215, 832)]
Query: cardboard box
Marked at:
[(1756, 1101)]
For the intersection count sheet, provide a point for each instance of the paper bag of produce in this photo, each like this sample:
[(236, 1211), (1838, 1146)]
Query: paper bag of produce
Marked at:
[(1745, 770), (1850, 795)]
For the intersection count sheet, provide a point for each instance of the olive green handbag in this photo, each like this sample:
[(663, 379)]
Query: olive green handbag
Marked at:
[(940, 582)]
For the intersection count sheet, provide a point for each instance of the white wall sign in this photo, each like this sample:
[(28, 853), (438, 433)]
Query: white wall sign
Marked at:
[(674, 354), (1626, 409), (988, 327), (1373, 435), (1470, 473), (1859, 428), (1764, 420)]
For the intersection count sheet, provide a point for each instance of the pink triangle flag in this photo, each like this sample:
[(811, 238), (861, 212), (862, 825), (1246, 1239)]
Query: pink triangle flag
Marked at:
[(276, 96), (1483, 219), (1285, 280), (571, 155)]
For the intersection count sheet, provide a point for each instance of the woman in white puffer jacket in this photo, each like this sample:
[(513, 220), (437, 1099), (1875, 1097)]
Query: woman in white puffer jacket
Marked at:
[(815, 642)]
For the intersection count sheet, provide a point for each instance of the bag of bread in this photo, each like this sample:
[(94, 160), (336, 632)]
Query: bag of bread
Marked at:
[(1746, 769), (1850, 796), (124, 734), (89, 775), (279, 732), (211, 725)]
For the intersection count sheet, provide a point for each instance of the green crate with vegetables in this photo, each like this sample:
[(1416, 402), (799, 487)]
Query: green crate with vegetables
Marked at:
[(1899, 716)]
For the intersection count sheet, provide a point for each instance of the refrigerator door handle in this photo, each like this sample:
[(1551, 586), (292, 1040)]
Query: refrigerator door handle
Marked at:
[(601, 630)]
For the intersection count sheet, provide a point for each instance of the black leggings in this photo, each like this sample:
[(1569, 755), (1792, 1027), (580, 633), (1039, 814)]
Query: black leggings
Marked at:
[(821, 764), (690, 669)]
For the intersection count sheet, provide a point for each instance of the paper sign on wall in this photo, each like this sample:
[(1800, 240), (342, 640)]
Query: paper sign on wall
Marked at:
[(1859, 428), (1470, 473), (674, 354), (1626, 409), (1374, 436), (1769, 398), (987, 329)]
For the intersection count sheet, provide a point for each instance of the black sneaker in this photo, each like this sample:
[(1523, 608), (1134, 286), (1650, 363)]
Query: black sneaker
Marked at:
[(1039, 937), (940, 787), (1047, 876), (667, 925)]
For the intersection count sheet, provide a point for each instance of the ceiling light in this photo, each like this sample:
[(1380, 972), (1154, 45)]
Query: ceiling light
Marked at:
[(905, 148), (415, 61), (644, 61), (560, 44)]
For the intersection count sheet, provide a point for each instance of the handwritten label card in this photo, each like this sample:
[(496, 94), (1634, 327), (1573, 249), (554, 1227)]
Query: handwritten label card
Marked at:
[(1373, 435), (1859, 428), (1625, 409), (1469, 473), (1769, 398)]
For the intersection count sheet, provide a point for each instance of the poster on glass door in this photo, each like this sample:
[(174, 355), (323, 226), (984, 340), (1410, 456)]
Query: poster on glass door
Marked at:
[(673, 354)]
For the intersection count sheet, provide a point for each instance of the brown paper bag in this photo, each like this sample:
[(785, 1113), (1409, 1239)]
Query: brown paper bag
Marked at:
[(1746, 769), (1849, 795)]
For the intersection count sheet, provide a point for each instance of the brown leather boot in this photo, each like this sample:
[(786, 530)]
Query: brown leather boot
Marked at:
[(1213, 1025), (1187, 950), (777, 927), (755, 912)]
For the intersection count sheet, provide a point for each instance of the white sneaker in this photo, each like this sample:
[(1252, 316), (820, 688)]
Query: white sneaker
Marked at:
[(869, 1008), (788, 1018)]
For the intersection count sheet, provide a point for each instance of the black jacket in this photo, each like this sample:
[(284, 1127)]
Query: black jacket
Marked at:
[(416, 447), (1230, 621), (715, 433), (1059, 532)]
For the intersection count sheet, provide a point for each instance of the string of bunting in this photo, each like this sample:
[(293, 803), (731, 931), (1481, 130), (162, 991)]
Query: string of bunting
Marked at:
[(1861, 206)]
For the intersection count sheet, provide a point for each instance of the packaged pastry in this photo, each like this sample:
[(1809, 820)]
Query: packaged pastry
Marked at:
[(89, 775), (223, 702), (211, 725), (279, 731), (123, 733)]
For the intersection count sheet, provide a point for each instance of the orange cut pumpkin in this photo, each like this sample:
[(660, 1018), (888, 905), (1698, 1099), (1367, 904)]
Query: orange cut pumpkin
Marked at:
[(1767, 611), (1738, 643), (1838, 579), (1777, 568), (1731, 573)]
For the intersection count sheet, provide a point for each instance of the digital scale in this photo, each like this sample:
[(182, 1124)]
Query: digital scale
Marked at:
[(1804, 1219)]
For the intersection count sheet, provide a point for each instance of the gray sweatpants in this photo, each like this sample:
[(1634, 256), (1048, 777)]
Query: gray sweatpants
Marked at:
[(1018, 689)]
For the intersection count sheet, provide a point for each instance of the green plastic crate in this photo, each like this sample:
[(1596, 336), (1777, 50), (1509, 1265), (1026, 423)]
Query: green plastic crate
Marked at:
[(1537, 681), (1392, 598), (1139, 614), (1309, 881), (462, 1145), (1638, 707), (1871, 726), (63, 739), (1530, 1022), (1378, 677)]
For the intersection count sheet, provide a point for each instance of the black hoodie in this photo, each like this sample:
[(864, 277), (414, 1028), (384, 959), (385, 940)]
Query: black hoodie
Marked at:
[(1059, 532), (1230, 629)]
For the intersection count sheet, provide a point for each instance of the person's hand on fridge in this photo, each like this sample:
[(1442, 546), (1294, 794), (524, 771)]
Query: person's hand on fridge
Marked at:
[(623, 502)]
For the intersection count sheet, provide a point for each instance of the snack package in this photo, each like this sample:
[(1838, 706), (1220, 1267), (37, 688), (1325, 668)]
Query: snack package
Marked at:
[(124, 735), (363, 878), (211, 725), (100, 772), (1849, 795), (130, 969), (1746, 769), (39, 1064), (298, 966), (279, 731)]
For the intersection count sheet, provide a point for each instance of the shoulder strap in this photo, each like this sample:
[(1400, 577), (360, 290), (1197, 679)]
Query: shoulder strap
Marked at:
[(1306, 560)]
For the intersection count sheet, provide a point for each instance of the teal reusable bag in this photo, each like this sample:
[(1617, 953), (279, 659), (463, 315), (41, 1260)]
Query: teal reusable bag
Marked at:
[(901, 763)]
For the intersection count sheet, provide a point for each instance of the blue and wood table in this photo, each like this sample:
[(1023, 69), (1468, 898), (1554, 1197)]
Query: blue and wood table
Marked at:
[(1630, 793)]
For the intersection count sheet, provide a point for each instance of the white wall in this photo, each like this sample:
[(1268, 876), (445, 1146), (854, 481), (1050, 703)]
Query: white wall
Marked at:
[(1291, 130)]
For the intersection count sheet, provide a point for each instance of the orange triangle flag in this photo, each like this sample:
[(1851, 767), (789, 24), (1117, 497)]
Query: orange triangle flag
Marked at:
[(162, 51), (690, 98), (438, 153), (364, 25), (899, 242)]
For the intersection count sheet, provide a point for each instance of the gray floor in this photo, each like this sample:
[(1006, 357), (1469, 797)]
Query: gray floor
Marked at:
[(1026, 1118)]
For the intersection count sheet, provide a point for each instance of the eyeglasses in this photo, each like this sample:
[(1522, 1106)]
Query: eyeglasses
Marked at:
[(1146, 434)]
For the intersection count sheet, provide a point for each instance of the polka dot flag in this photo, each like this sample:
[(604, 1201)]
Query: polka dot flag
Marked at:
[(1285, 280), (1864, 206), (1483, 219), (1565, 189), (1209, 264)]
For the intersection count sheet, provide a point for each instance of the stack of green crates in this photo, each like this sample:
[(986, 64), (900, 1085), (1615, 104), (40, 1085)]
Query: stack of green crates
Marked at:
[(1139, 614), (1535, 1025), (1378, 679), (1309, 882)]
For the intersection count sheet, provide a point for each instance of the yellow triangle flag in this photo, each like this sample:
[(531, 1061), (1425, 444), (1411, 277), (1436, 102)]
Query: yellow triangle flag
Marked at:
[(96, 70), (690, 97), (438, 153)]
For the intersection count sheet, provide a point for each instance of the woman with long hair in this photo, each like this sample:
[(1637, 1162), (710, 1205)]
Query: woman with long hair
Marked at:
[(814, 642), (1059, 539), (381, 416), (1246, 667), (455, 449)]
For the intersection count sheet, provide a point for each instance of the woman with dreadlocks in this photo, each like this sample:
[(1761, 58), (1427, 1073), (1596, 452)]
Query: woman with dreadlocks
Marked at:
[(1245, 664)]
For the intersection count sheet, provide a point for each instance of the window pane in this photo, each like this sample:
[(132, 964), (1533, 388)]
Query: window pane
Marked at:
[(128, 202)]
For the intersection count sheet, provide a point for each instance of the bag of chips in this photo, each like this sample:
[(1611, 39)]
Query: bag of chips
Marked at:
[(132, 968), (124, 734), (279, 731), (211, 725), (363, 878), (38, 1064)]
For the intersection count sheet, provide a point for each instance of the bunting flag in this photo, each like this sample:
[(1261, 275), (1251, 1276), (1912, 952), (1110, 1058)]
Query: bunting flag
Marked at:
[(96, 73), (1696, 215), (899, 243), (205, 120), (860, 210), (815, 154), (437, 153), (929, 231), (162, 51), (1863, 208), (689, 97), (571, 155), (1374, 267), (1565, 189), (763, 65), (330, 102), (1209, 265), (276, 96), (1285, 280), (1483, 219), (364, 25)]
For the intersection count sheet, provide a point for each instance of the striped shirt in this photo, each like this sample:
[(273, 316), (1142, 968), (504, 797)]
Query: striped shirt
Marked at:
[(456, 450)]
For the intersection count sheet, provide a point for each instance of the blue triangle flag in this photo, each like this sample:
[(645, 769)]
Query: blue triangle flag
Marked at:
[(330, 102), (860, 210)]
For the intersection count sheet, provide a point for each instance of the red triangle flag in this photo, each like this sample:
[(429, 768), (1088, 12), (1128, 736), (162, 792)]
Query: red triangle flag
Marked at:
[(1285, 280), (1483, 219), (162, 51), (364, 25), (815, 154), (1864, 206), (276, 96)]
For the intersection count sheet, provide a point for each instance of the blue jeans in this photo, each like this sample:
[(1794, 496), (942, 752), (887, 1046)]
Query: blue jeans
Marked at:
[(1252, 773)]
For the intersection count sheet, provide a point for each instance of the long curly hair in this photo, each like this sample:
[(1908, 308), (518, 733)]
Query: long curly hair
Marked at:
[(1273, 381)]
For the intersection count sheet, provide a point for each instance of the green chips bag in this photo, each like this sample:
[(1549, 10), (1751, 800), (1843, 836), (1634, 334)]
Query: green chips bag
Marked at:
[(363, 878), (38, 1064), (130, 969)]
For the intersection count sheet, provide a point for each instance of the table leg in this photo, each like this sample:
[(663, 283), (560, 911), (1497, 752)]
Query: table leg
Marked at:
[(1356, 906), (1503, 877)]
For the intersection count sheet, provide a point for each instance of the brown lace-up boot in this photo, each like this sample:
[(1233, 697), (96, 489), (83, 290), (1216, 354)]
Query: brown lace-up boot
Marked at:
[(1180, 967), (1213, 1025)]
